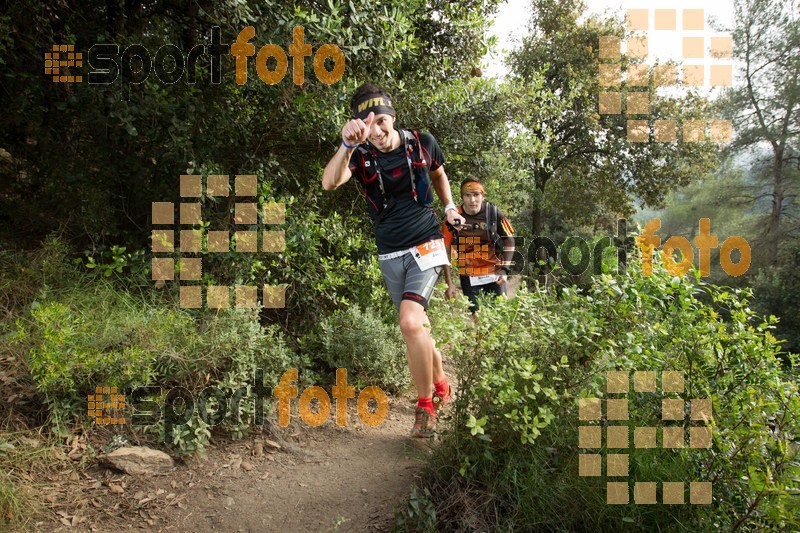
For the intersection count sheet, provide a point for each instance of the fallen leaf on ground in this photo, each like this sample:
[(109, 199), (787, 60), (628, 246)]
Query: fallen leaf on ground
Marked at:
[(33, 443)]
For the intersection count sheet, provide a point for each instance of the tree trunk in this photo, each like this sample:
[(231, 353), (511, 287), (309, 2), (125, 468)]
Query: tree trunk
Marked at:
[(540, 181), (544, 276), (536, 225), (115, 18), (774, 227)]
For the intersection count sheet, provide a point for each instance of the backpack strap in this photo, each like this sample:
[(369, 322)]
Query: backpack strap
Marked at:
[(408, 147), (492, 223), (368, 154), (418, 167)]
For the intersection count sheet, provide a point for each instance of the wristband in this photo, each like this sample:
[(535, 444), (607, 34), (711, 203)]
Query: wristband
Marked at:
[(450, 206), (348, 146)]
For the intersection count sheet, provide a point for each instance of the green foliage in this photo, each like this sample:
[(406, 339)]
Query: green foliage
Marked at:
[(68, 355), (419, 514), (13, 506), (86, 332), (737, 203), (509, 459), (240, 346), (116, 260), (777, 292), (188, 438), (588, 169), (126, 144), (372, 352), (763, 109), (330, 264)]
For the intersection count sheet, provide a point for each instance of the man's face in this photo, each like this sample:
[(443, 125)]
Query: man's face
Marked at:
[(472, 202), (382, 131)]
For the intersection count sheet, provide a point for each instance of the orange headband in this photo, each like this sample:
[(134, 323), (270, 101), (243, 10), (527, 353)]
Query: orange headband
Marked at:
[(472, 186)]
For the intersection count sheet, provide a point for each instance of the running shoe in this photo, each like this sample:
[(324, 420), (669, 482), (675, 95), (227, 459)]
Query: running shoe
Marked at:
[(440, 401), (424, 422)]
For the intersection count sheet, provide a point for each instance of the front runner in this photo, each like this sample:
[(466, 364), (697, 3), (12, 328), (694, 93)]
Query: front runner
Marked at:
[(396, 169)]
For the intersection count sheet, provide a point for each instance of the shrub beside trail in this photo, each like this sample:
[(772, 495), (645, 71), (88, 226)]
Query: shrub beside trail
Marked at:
[(509, 458)]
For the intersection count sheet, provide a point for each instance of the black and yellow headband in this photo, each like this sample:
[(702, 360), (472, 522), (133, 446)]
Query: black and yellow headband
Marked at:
[(373, 103)]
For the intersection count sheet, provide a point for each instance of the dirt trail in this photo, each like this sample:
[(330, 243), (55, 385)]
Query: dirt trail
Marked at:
[(322, 479), (337, 479), (330, 478)]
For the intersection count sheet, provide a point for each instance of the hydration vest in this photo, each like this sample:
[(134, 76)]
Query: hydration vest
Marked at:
[(490, 227), (374, 192)]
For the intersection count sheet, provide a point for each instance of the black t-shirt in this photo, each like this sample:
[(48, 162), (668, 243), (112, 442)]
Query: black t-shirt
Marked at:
[(406, 222)]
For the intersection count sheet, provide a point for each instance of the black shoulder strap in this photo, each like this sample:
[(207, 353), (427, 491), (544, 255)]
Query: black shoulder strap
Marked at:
[(492, 223), (411, 145), (370, 155), (492, 216)]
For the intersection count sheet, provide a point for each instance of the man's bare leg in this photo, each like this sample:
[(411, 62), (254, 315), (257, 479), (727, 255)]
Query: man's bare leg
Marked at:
[(424, 360), (438, 371)]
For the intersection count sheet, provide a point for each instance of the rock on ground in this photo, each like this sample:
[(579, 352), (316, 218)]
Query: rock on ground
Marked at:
[(136, 460)]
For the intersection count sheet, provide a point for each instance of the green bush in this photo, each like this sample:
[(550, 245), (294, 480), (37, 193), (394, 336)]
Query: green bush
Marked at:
[(24, 275), (777, 292), (372, 352), (509, 459), (81, 332)]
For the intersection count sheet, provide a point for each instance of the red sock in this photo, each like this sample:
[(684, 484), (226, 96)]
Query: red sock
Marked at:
[(441, 387), (426, 403)]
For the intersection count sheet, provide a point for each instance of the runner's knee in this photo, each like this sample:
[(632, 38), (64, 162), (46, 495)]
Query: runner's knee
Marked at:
[(411, 324)]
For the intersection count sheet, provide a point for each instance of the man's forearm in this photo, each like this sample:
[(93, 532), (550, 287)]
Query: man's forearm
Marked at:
[(337, 171), (442, 186)]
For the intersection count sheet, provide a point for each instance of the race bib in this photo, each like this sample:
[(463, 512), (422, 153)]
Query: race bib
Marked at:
[(430, 254), (476, 281)]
